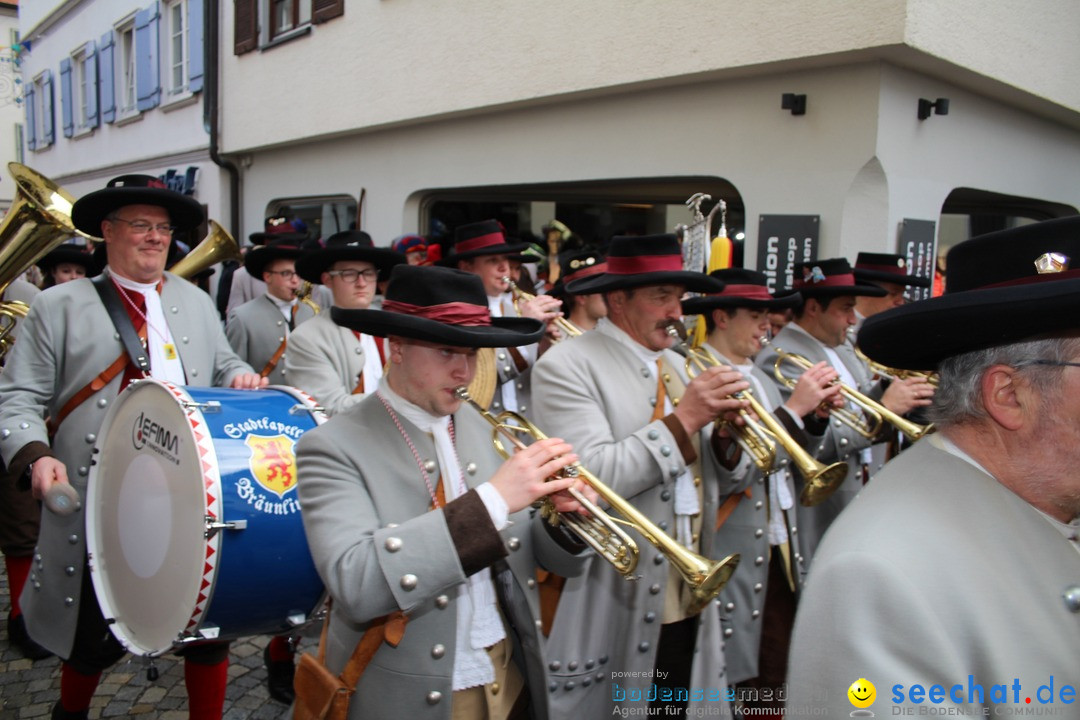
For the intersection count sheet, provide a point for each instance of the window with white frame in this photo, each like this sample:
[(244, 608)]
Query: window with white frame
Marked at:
[(176, 42), (84, 87), (125, 69)]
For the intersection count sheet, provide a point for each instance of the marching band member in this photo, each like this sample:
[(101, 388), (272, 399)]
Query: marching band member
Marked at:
[(481, 248), (409, 509), (610, 388), (829, 291), (259, 329), (757, 515), (952, 585), (65, 368), (335, 365), (888, 271), (581, 310)]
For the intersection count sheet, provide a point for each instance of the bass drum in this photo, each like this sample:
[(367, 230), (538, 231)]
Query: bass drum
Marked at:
[(193, 525)]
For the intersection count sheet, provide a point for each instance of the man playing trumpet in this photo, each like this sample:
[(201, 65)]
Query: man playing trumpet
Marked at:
[(756, 516), (829, 290), (613, 643), (409, 509)]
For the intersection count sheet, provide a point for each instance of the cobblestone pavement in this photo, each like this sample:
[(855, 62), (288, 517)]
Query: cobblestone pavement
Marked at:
[(29, 689)]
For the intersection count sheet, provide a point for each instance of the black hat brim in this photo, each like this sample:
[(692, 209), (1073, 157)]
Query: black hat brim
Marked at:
[(67, 254), (503, 331), (918, 336), (708, 303), (89, 211), (876, 276), (512, 249), (256, 260), (606, 282), (314, 264)]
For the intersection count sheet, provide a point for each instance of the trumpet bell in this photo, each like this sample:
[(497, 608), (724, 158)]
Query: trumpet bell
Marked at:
[(217, 246), (822, 484)]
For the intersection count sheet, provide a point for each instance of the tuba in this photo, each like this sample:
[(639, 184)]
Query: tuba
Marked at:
[(874, 414), (217, 246), (759, 437), (38, 221), (600, 531)]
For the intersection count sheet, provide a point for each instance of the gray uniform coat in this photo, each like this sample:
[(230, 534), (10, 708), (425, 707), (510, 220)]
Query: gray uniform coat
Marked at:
[(324, 360), (742, 601), (257, 328), (597, 394), (379, 549), (937, 575), (839, 442), (66, 340)]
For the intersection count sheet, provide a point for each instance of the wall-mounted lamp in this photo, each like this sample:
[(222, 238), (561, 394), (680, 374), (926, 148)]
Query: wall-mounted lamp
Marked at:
[(795, 103), (939, 107)]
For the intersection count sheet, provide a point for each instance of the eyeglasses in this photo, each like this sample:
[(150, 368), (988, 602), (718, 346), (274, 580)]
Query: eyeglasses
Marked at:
[(141, 227), (285, 274), (350, 276)]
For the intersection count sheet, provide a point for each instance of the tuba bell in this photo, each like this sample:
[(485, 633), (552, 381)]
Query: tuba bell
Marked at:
[(217, 246), (39, 220)]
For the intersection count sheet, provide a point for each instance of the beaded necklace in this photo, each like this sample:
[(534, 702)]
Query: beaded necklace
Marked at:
[(416, 455)]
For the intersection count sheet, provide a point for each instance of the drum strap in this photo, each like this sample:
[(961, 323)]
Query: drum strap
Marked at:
[(120, 318), (274, 359), (133, 350)]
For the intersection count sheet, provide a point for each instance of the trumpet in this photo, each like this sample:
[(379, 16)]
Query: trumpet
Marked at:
[(566, 327), (759, 438), (304, 296), (895, 373), (601, 531), (874, 414)]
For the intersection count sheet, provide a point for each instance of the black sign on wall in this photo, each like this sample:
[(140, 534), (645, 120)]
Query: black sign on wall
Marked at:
[(918, 243), (784, 240)]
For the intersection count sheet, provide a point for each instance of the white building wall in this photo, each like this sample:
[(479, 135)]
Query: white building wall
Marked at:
[(403, 61), (860, 158), (11, 110)]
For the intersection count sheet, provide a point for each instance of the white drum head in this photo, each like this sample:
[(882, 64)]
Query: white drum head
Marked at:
[(145, 519)]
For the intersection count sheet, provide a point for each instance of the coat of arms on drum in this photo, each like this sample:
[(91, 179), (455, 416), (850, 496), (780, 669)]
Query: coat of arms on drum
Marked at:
[(272, 462)]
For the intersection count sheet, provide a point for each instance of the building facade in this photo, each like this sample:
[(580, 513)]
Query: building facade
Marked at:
[(608, 115), (114, 87)]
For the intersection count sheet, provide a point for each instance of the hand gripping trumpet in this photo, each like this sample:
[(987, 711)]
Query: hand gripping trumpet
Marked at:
[(567, 328), (600, 531), (760, 437), (874, 414)]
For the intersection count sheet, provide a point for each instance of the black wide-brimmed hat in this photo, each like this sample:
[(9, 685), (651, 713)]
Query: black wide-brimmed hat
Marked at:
[(348, 245), (636, 261), (185, 212), (67, 253), (886, 267), (828, 279), (260, 256), (279, 227), (1002, 287), (742, 288), (577, 265), (439, 305), (486, 237)]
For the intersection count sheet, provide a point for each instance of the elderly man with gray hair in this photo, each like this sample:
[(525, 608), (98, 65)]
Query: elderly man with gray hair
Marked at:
[(952, 584)]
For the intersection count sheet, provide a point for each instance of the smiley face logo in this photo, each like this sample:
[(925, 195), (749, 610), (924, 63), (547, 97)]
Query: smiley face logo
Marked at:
[(862, 693)]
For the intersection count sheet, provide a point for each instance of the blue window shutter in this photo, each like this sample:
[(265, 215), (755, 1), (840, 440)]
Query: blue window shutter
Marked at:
[(195, 45), (107, 77), (147, 75), (48, 123), (31, 117), (91, 89), (66, 98)]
